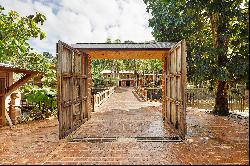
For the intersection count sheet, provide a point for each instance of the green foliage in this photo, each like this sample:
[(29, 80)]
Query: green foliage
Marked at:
[(191, 20), (44, 100), (15, 31), (111, 81), (105, 82)]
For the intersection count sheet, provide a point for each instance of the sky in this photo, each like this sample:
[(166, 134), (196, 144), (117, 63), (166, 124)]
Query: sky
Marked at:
[(73, 21)]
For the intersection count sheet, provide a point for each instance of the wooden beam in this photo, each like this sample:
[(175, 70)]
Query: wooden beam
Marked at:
[(19, 83), (16, 70), (127, 54)]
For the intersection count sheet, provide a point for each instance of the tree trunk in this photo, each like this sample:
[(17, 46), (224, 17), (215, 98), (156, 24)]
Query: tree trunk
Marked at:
[(221, 101), (218, 27)]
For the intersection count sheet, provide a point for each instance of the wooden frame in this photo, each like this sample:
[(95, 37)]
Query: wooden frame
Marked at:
[(173, 82)]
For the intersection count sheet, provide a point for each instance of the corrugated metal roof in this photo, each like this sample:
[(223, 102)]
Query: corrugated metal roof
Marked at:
[(155, 45)]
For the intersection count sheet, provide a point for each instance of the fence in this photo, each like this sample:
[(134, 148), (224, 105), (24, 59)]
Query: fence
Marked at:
[(154, 93), (205, 99), (141, 93), (148, 93), (100, 97), (199, 97), (96, 90)]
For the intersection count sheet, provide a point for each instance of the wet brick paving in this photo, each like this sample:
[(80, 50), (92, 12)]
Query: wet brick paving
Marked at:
[(210, 139), (122, 115)]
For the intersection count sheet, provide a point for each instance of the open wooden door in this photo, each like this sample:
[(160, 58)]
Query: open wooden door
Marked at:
[(175, 76), (72, 86)]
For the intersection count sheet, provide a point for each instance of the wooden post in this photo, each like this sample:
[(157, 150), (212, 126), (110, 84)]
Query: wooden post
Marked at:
[(89, 86), (164, 65), (183, 125), (2, 111), (168, 93)]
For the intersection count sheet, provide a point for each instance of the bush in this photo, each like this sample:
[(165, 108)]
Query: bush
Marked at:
[(44, 100)]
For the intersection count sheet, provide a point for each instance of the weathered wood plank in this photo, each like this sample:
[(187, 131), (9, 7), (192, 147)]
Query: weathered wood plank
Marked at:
[(164, 83), (175, 87), (183, 127)]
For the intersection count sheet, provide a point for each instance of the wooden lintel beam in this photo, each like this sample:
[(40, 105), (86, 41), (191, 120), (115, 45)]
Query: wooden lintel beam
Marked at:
[(16, 70), (19, 83)]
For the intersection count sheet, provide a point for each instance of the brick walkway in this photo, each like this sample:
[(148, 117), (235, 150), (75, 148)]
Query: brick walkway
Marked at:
[(210, 139), (28, 143), (122, 115)]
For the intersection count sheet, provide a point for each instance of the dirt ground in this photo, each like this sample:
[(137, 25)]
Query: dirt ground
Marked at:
[(210, 139)]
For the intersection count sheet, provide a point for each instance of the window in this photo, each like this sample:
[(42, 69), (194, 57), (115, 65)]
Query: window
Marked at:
[(127, 76), (108, 75)]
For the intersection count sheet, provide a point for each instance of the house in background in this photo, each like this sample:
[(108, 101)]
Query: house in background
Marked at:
[(130, 78), (126, 78)]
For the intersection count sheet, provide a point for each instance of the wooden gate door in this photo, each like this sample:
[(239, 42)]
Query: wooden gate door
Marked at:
[(72, 88), (174, 105)]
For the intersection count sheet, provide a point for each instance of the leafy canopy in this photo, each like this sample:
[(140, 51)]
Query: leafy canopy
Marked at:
[(174, 20), (15, 32)]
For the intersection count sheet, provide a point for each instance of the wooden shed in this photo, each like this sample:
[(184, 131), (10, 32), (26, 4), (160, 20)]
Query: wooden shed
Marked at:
[(8, 86)]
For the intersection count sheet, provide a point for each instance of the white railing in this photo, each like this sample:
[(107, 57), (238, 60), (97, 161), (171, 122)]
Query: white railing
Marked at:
[(102, 96)]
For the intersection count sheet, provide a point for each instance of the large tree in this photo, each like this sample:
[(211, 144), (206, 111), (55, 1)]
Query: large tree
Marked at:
[(216, 32), (15, 32)]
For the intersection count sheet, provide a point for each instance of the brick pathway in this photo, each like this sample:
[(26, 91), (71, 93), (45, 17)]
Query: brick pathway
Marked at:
[(28, 143), (122, 115), (210, 139)]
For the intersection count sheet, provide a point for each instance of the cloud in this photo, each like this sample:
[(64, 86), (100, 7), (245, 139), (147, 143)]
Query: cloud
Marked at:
[(86, 20)]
